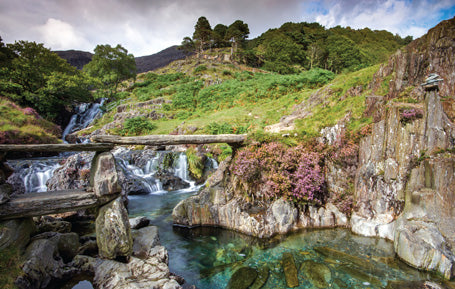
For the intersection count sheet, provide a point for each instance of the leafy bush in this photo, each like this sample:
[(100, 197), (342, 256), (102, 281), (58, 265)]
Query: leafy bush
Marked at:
[(225, 128), (200, 69), (274, 171), (137, 126)]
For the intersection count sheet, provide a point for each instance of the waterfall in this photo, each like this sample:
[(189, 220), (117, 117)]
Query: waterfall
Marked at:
[(86, 113), (34, 173), (145, 175)]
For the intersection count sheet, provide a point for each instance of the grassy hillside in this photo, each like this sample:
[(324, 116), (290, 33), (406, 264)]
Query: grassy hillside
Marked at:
[(199, 96), (24, 126)]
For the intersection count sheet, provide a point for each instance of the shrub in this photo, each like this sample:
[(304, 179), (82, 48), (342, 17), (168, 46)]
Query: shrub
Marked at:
[(274, 171), (137, 126), (411, 114), (200, 69)]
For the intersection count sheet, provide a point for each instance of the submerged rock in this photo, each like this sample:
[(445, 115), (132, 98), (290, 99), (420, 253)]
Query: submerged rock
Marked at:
[(360, 275), (413, 285), (290, 270), (261, 279), (318, 273), (242, 278)]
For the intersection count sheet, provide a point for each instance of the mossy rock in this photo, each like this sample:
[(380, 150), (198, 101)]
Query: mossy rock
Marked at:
[(263, 276), (290, 270)]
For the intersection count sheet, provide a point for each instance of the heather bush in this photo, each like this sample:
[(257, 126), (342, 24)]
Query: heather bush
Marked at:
[(411, 114), (273, 170)]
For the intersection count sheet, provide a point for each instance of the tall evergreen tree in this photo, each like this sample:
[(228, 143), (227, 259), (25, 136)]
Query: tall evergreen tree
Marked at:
[(202, 33)]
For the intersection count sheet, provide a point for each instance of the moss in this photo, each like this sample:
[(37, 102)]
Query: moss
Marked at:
[(195, 163)]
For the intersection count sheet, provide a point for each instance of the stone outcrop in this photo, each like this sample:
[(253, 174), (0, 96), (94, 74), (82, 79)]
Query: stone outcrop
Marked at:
[(16, 232), (217, 205), (47, 257)]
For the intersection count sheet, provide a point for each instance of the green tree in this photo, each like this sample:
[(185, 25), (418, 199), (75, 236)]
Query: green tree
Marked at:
[(202, 33), (111, 66), (219, 35), (6, 55), (237, 33), (342, 53), (187, 45), (279, 53), (40, 79)]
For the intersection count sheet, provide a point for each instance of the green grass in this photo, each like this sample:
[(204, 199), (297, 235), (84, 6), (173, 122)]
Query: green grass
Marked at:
[(244, 100), (337, 105), (10, 262)]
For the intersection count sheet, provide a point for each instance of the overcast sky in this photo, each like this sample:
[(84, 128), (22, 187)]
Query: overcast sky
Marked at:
[(147, 26)]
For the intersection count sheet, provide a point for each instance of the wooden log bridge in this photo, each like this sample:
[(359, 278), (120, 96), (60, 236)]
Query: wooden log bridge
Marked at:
[(157, 140), (46, 203)]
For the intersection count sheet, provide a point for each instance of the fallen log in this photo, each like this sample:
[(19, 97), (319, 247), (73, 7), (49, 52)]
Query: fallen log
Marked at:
[(56, 147), (156, 140), (52, 202)]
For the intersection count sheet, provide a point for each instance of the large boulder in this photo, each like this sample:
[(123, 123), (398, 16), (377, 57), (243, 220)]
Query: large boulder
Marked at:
[(16, 232), (113, 231), (147, 268), (47, 259), (73, 174)]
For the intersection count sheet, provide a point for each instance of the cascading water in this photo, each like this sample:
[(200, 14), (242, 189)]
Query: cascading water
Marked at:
[(86, 113), (145, 175), (181, 170), (36, 172)]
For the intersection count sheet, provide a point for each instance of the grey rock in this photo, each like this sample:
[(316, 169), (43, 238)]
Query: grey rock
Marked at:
[(5, 192), (113, 231), (144, 240), (139, 222), (16, 232), (137, 273)]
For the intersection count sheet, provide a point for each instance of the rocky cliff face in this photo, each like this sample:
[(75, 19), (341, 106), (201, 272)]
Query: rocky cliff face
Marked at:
[(433, 52), (403, 186)]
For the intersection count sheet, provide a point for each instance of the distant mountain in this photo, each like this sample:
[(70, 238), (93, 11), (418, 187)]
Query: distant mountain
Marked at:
[(144, 63), (160, 59), (76, 58)]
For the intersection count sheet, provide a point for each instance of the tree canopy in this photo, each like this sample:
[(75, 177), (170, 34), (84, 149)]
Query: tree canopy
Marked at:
[(298, 46), (111, 66), (38, 78)]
